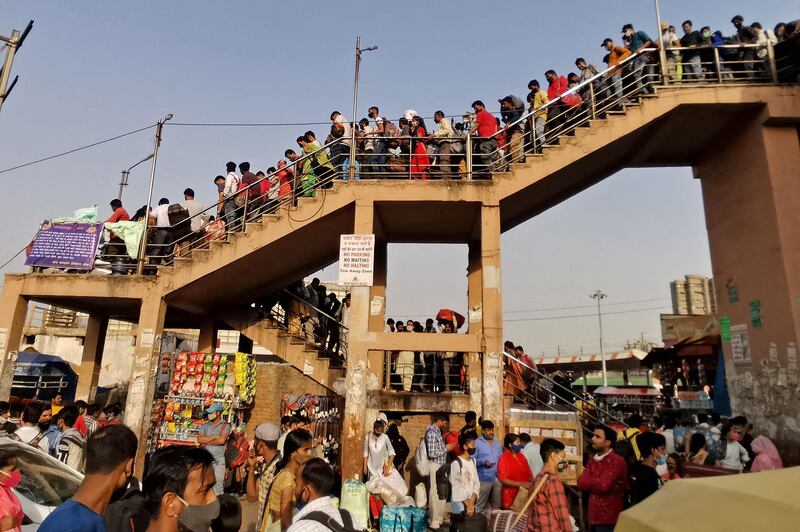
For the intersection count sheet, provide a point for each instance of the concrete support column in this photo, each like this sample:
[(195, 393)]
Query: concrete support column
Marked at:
[(207, 340), (92, 357), (13, 309), (485, 303), (143, 371), (357, 360), (377, 320), (751, 190)]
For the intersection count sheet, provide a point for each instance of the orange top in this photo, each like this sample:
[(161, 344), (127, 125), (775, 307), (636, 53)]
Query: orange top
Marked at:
[(617, 54)]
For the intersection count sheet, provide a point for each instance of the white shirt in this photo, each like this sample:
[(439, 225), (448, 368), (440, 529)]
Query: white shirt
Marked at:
[(369, 141), (534, 457), (464, 479), (735, 456), (348, 132), (669, 435), (160, 213), (376, 451), (195, 207), (26, 434), (231, 185), (325, 505)]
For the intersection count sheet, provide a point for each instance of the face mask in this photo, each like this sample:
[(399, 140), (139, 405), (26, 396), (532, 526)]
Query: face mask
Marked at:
[(516, 448), (562, 466), (472, 450), (487, 437), (735, 436), (12, 479), (198, 517), (661, 460), (706, 35)]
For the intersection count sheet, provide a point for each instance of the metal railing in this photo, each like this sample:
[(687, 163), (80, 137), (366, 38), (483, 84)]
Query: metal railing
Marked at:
[(417, 155), (542, 390), (436, 372)]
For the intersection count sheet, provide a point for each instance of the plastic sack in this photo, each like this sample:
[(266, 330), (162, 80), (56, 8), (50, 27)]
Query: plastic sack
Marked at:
[(420, 496), (392, 489), (355, 500)]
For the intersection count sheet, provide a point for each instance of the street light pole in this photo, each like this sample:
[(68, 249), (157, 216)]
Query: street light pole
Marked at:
[(123, 180), (599, 296), (351, 168), (13, 43), (662, 52), (143, 242)]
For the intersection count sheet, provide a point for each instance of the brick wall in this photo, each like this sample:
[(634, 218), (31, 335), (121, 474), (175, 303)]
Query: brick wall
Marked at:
[(272, 380)]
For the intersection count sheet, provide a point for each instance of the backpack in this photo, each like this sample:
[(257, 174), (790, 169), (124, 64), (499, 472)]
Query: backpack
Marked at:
[(236, 451), (33, 443), (443, 487), (624, 448), (328, 522), (128, 514), (421, 459)]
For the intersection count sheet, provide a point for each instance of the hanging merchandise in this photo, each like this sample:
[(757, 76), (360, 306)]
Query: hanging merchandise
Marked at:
[(188, 383), (324, 413)]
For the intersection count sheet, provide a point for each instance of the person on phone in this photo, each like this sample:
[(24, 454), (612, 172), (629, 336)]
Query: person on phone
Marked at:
[(487, 454)]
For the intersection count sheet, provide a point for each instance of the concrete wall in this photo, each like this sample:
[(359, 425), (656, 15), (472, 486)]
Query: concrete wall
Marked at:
[(751, 191)]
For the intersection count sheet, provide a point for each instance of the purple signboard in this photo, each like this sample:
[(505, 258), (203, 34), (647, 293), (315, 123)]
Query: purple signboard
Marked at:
[(70, 245)]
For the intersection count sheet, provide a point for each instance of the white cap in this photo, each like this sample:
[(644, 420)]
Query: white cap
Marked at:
[(408, 115)]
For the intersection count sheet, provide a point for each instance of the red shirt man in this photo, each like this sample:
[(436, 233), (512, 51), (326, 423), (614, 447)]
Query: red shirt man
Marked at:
[(558, 85), (120, 214), (605, 478), (549, 511), (513, 471), (485, 123)]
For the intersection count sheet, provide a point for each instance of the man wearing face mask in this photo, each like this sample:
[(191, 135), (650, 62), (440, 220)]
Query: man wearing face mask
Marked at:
[(645, 480), (550, 509), (179, 490), (110, 455), (314, 489), (212, 437), (464, 482), (262, 459)]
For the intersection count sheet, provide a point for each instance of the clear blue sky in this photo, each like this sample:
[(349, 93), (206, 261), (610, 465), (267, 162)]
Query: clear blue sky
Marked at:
[(90, 70)]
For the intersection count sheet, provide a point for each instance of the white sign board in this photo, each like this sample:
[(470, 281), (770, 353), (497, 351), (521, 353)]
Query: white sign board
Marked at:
[(356, 259)]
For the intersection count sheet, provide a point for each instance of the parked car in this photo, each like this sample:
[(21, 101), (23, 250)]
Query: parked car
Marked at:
[(45, 483)]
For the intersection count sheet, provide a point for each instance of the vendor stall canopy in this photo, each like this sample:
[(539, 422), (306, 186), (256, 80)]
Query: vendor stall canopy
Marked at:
[(765, 501)]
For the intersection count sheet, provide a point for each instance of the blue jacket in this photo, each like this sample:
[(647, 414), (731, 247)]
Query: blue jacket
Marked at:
[(487, 451)]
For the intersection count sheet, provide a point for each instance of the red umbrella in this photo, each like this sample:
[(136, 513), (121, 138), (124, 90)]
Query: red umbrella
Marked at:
[(451, 316)]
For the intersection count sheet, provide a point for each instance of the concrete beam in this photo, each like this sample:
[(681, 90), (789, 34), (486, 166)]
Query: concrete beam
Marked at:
[(92, 357), (466, 343)]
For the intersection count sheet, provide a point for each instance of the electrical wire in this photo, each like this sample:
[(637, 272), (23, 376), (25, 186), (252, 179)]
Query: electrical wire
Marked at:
[(6, 263), (92, 145), (592, 315), (588, 306)]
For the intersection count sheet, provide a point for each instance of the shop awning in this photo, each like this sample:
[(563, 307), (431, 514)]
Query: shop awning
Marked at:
[(620, 360), (644, 391)]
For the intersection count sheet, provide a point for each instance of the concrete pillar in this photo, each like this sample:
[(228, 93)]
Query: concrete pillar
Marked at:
[(377, 320), (207, 339), (751, 193), (13, 308), (146, 356), (92, 357), (485, 303), (357, 360)]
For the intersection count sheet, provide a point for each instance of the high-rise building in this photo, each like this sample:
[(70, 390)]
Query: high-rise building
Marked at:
[(693, 295)]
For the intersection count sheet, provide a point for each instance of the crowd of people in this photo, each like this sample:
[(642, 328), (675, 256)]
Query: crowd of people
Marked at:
[(410, 149)]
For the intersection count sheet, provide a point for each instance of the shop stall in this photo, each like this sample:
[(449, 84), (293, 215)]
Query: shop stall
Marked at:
[(324, 413), (188, 383)]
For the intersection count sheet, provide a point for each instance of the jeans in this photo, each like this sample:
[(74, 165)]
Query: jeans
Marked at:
[(229, 211), (538, 139), (339, 153), (615, 87), (219, 472), (601, 528), (514, 149), (693, 69), (443, 154), (379, 156), (641, 69), (489, 497), (346, 169)]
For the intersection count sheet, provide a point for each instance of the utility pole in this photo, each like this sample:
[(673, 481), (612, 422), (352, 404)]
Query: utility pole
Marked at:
[(599, 296), (12, 45), (123, 180), (662, 52), (351, 169), (143, 243)]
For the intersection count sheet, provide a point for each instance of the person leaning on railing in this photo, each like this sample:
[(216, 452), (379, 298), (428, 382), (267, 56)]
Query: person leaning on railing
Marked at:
[(485, 126), (616, 54), (442, 138)]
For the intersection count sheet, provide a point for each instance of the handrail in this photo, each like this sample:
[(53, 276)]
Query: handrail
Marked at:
[(576, 89), (554, 383), (321, 312), (319, 342)]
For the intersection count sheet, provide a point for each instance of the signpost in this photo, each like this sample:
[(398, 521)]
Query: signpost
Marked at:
[(70, 245), (356, 259)]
